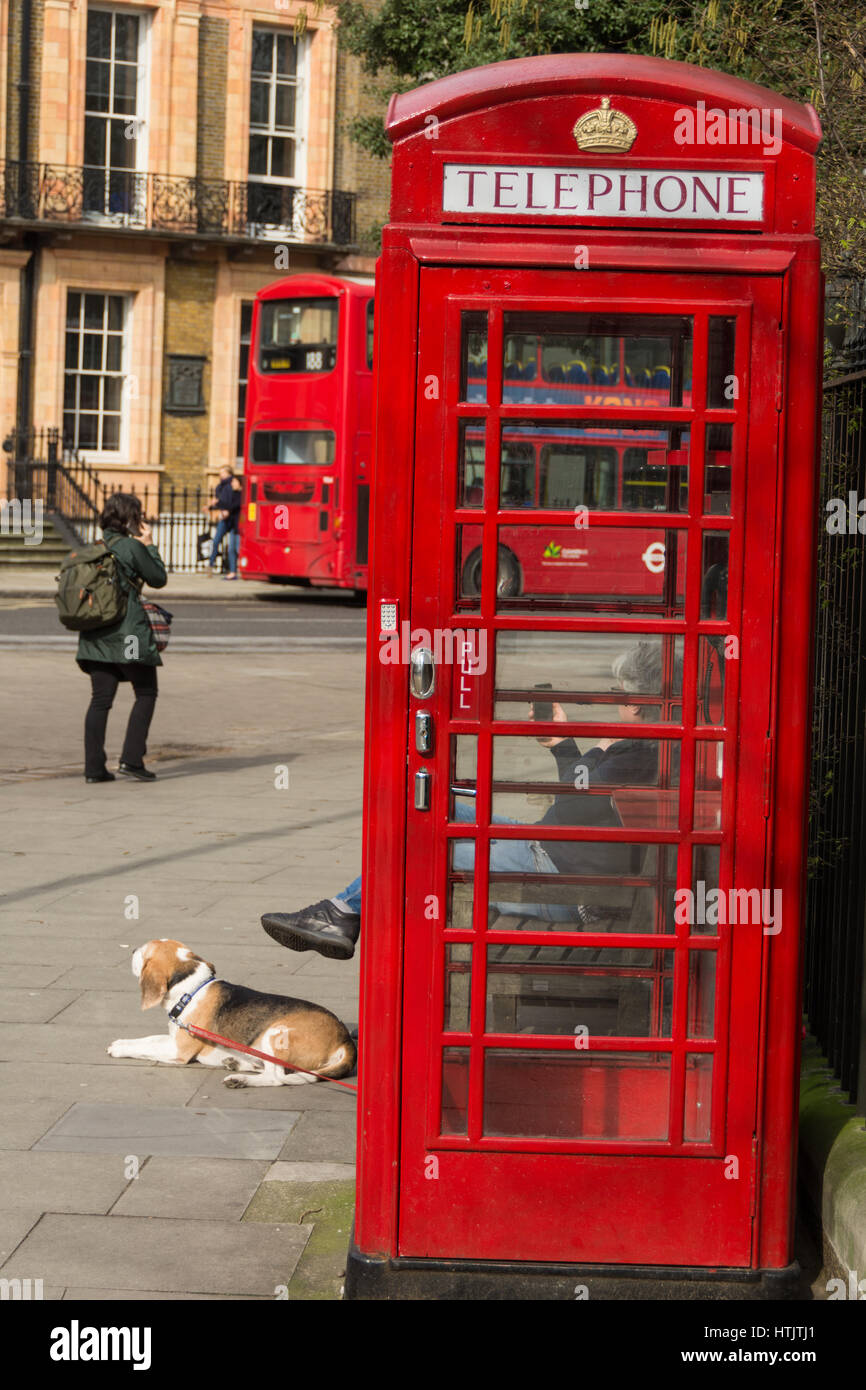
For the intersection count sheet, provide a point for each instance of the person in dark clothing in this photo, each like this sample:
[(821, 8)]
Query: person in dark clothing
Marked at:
[(332, 926), (227, 508), (125, 650)]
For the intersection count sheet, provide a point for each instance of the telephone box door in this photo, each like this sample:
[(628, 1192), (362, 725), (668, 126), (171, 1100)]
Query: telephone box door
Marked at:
[(595, 498)]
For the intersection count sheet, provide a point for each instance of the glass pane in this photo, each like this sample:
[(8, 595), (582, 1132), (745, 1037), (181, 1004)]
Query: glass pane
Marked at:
[(458, 981), (714, 575), (95, 134), (473, 362), (579, 991), (258, 154), (98, 34), (125, 37), (122, 148), (464, 773), (284, 111), (703, 914), (594, 569), (593, 886), (112, 386), (97, 86), (72, 342), (702, 994), (70, 384), (259, 96), (582, 358), (632, 782), (697, 1116), (587, 675), (461, 861), (94, 308), (113, 352), (455, 1090), (287, 55), (282, 158), (125, 83), (293, 446), (263, 50), (91, 358), (721, 384), (470, 464), (468, 578), (89, 398), (717, 470), (111, 432), (563, 466), (88, 431), (709, 759), (115, 313), (580, 1095), (711, 680), (73, 309)]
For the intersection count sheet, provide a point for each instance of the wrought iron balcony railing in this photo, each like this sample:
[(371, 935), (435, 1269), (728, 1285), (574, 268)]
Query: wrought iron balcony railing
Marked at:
[(123, 198)]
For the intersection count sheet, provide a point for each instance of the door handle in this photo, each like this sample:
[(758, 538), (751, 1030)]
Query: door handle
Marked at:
[(423, 731), (423, 782), (422, 672)]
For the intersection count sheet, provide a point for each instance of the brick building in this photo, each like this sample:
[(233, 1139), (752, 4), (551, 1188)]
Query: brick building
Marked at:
[(162, 162)]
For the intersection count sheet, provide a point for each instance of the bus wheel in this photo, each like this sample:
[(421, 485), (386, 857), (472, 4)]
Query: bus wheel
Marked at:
[(507, 579)]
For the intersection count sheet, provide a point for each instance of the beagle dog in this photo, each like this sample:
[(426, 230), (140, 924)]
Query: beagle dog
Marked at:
[(303, 1034)]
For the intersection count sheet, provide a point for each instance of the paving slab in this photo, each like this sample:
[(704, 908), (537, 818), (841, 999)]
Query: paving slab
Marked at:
[(14, 1226), (118, 1081), (322, 1136), (88, 1183), (285, 1171), (163, 1254), (141, 1129), (26, 1121), (34, 1006), (218, 1189), (77, 1295)]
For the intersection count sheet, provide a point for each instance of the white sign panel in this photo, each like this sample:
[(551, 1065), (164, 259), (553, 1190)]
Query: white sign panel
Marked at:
[(506, 190)]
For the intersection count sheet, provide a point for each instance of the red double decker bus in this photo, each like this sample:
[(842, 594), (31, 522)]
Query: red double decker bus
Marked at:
[(305, 511)]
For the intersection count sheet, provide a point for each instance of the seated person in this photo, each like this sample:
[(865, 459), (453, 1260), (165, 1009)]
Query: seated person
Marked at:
[(332, 927)]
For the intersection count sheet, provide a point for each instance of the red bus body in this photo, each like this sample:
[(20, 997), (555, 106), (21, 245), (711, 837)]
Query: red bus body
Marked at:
[(305, 512), (565, 1082)]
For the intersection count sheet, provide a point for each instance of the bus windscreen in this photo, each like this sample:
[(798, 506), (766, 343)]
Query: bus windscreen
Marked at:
[(292, 446), (298, 335)]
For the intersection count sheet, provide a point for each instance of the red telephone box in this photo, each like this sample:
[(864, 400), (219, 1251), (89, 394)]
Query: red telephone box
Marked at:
[(598, 347)]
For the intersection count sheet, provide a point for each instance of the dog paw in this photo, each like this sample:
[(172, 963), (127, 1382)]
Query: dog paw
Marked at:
[(234, 1082), (115, 1049)]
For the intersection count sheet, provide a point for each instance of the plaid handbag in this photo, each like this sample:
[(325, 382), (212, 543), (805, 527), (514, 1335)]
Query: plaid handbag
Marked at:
[(160, 621)]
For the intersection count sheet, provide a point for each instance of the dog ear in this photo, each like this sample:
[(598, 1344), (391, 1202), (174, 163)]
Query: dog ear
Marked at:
[(154, 983)]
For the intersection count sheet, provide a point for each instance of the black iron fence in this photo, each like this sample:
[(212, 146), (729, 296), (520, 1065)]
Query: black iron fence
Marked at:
[(38, 469), (125, 198), (836, 923)]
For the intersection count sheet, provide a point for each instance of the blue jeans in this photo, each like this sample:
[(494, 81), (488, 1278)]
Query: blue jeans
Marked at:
[(507, 857), (222, 527), (233, 548)]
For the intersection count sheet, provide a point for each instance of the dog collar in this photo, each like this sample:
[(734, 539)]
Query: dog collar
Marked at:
[(174, 1014)]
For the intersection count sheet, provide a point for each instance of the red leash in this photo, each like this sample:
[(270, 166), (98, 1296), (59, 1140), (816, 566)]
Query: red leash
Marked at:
[(265, 1056)]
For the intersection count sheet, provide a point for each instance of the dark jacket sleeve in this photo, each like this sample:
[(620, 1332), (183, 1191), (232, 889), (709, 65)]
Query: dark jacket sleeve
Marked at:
[(569, 758), (143, 560)]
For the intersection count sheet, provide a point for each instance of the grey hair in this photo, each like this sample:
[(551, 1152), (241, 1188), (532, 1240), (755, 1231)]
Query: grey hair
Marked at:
[(639, 672)]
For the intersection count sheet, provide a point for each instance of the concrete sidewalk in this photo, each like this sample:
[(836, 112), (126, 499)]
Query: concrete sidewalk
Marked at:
[(124, 1179), (39, 583)]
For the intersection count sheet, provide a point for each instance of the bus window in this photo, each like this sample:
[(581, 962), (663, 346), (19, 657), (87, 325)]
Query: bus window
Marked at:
[(298, 335), (520, 362), (292, 446), (649, 351), (370, 315), (517, 476), (578, 475), (652, 487)]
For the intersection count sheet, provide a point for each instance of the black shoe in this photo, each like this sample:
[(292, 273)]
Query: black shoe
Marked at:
[(139, 771), (105, 776), (322, 927)]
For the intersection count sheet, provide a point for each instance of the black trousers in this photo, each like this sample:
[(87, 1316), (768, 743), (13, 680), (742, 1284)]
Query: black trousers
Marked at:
[(104, 679)]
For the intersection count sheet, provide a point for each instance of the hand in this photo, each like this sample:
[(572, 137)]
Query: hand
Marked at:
[(559, 716), (224, 515), (145, 534)]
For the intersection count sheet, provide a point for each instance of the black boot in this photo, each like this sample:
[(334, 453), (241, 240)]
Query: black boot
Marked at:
[(322, 927)]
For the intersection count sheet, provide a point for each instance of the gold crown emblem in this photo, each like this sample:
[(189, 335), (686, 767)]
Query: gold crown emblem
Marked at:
[(608, 132)]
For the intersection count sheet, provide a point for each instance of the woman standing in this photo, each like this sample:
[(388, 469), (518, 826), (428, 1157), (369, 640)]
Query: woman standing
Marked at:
[(126, 650)]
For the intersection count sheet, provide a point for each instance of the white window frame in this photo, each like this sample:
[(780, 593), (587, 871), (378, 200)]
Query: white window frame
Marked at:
[(302, 118), (127, 381), (138, 216)]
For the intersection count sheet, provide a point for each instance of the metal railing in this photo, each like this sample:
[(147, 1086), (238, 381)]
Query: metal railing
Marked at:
[(126, 199), (38, 469), (836, 912)]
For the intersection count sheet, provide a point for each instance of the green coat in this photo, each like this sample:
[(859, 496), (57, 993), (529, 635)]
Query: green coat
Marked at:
[(110, 643)]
